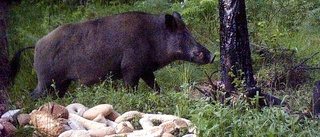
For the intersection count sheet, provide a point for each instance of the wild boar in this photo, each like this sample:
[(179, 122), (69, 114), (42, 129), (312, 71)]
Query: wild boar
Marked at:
[(130, 46)]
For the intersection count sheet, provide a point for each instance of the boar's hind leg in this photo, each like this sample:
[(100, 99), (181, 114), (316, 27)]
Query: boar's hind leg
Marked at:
[(149, 78), (39, 91), (43, 88)]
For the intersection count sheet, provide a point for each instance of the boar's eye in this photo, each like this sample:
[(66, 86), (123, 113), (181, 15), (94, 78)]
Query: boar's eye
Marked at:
[(186, 39), (183, 39)]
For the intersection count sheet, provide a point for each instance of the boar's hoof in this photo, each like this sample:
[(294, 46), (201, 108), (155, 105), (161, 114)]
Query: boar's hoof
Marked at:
[(35, 96)]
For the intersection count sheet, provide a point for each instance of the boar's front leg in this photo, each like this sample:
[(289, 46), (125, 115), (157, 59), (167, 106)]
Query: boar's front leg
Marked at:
[(149, 78), (130, 78)]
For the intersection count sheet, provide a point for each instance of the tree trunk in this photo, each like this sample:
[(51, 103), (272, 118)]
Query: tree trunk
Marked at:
[(4, 55), (235, 54), (315, 101)]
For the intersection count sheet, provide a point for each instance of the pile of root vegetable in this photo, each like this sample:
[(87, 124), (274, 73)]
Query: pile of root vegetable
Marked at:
[(77, 120)]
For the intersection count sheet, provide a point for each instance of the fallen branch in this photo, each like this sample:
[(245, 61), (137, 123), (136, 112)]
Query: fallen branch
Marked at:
[(310, 68), (304, 61), (265, 99), (315, 102)]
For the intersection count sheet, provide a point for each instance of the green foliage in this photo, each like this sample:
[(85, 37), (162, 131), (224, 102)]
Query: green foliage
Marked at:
[(204, 11), (285, 24), (242, 120), (152, 6), (276, 25)]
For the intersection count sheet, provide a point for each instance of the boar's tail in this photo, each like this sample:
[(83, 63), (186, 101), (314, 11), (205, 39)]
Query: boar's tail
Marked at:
[(15, 63)]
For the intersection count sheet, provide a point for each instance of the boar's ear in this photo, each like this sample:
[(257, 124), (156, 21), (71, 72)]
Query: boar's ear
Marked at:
[(176, 15), (171, 22)]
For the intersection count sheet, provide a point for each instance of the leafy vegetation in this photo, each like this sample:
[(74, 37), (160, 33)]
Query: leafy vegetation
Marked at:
[(282, 33)]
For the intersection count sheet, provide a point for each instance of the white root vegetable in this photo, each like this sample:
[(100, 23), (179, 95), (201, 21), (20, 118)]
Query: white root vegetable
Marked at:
[(124, 127), (101, 119), (147, 120), (165, 134), (150, 132), (101, 131), (95, 129), (103, 109), (75, 125), (160, 117), (118, 135), (75, 133), (76, 108), (171, 126), (168, 122), (168, 126), (146, 123), (88, 124), (111, 123), (190, 135), (128, 116)]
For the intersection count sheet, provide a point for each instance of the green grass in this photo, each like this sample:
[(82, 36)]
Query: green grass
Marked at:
[(270, 25)]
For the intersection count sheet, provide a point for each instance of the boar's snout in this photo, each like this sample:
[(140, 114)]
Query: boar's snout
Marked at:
[(212, 58), (202, 57)]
